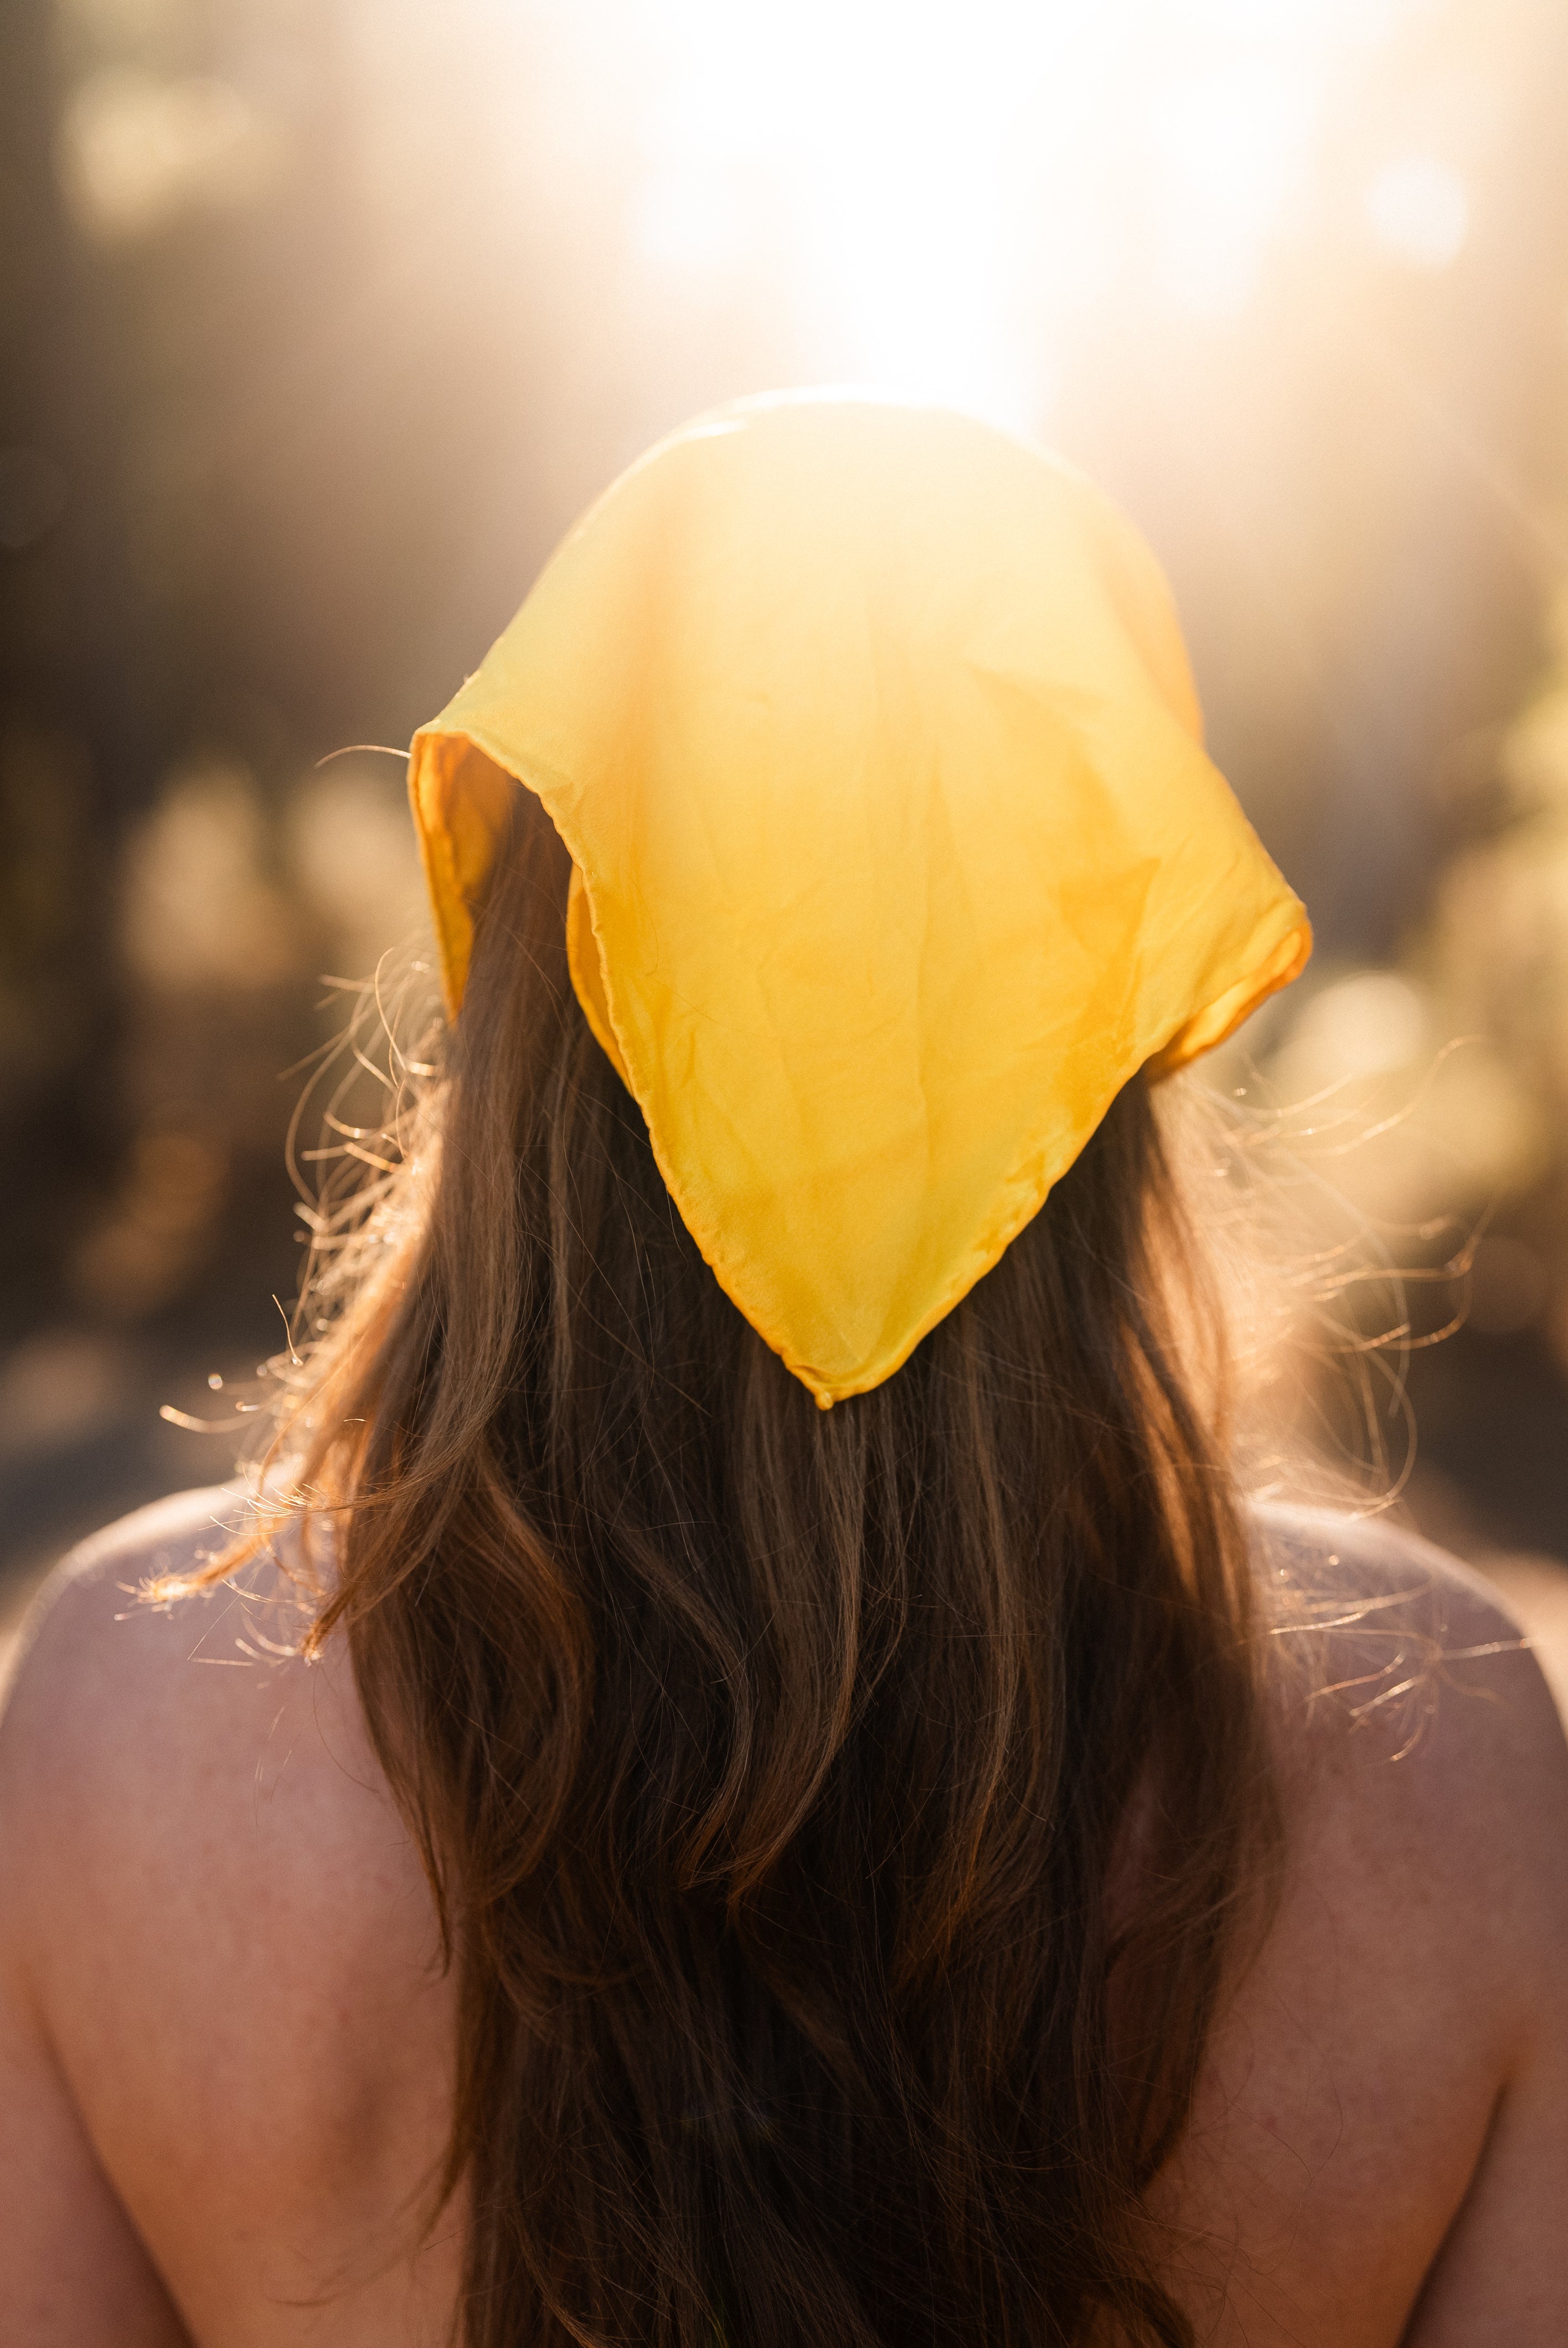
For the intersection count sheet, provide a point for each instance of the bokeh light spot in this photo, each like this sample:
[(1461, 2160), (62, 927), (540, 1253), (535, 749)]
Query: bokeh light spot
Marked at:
[(1419, 210)]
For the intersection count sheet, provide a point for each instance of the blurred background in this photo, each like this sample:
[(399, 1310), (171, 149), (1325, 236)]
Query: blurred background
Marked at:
[(323, 318)]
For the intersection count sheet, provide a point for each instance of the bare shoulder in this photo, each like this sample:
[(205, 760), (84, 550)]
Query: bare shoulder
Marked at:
[(95, 1667), (210, 1903), (1425, 1752), (1381, 2134), (188, 1746), (1392, 1652), (139, 1727)]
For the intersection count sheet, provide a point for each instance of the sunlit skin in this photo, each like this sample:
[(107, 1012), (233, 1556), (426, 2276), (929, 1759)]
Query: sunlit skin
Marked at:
[(224, 2034)]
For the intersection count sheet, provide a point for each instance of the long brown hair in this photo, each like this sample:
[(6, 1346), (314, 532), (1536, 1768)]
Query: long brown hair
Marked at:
[(839, 1821)]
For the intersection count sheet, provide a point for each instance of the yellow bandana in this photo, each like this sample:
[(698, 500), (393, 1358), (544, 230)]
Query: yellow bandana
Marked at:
[(871, 733)]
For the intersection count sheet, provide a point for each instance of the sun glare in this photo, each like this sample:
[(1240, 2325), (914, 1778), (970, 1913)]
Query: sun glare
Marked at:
[(950, 194)]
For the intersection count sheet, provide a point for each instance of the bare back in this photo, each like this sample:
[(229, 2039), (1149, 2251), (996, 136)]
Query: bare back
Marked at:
[(225, 2038)]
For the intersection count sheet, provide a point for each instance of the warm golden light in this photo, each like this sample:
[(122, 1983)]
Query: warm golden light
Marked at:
[(953, 197)]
